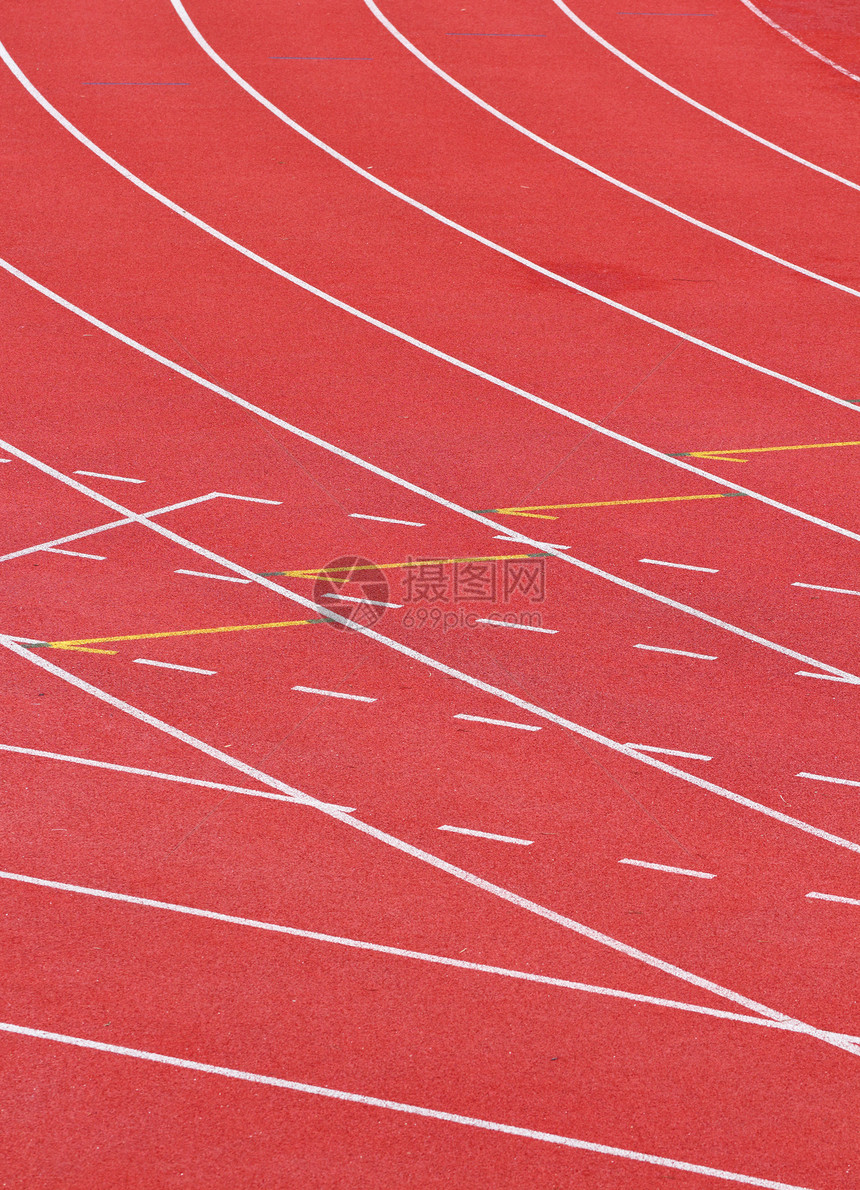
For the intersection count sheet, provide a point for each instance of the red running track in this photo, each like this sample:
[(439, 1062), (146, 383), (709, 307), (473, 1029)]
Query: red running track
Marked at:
[(357, 879)]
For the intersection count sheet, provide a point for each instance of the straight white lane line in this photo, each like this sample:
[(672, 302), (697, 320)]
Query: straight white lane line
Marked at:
[(356, 599), (837, 590), (829, 897), (524, 627), (189, 669), (388, 520), (831, 780), (462, 830), (499, 722), (768, 144), (512, 535), (398, 952), (118, 478), (640, 863), (541, 712), (225, 578), (802, 44), (393, 1105), (247, 499), (668, 752), (679, 566), (677, 652), (125, 768), (802, 673), (837, 1040), (75, 554), (334, 694)]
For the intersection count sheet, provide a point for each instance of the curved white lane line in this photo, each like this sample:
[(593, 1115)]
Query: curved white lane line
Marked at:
[(420, 206), (791, 37), (768, 144), (402, 335), (407, 485)]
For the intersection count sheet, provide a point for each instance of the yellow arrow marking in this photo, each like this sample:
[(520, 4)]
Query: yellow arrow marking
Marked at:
[(74, 645), (757, 450), (531, 509)]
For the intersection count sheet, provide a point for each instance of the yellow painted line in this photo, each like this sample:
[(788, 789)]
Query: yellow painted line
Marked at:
[(396, 565), (757, 450), (531, 509), (73, 645)]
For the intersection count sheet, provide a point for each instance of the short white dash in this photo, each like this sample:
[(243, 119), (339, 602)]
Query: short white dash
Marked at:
[(668, 752), (679, 566), (640, 863), (462, 830), (808, 673), (118, 478), (830, 897), (333, 694), (355, 599), (553, 545), (677, 652), (831, 780), (498, 722), (225, 578), (526, 627), (837, 590), (5, 460), (189, 669), (387, 520), (75, 554), (249, 499)]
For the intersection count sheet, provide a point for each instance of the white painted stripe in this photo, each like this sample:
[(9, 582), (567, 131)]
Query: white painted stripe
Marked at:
[(411, 487), (334, 693), (388, 520), (525, 627), (247, 499), (802, 673), (552, 545), (837, 590), (829, 897), (837, 1040), (768, 144), (118, 478), (802, 44), (393, 1105), (679, 566), (462, 830), (669, 752), (831, 780), (189, 669), (399, 952), (5, 460), (640, 863), (678, 652), (356, 599), (225, 578), (499, 722), (124, 768), (75, 554)]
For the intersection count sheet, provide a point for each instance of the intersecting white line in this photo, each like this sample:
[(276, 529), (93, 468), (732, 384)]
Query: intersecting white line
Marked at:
[(499, 722), (668, 752), (802, 44), (118, 478)]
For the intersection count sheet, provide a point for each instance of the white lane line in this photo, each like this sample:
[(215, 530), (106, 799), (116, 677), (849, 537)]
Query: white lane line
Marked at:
[(679, 566), (499, 722), (124, 768), (356, 599), (837, 590), (768, 144), (803, 673), (548, 544), (640, 863), (831, 780), (75, 554), (668, 752), (830, 897), (393, 1105), (677, 652), (189, 669), (524, 627), (225, 578), (118, 478), (533, 136), (5, 460), (837, 1040), (334, 693), (462, 830), (247, 499), (531, 708), (388, 520), (426, 347), (398, 952), (802, 44)]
